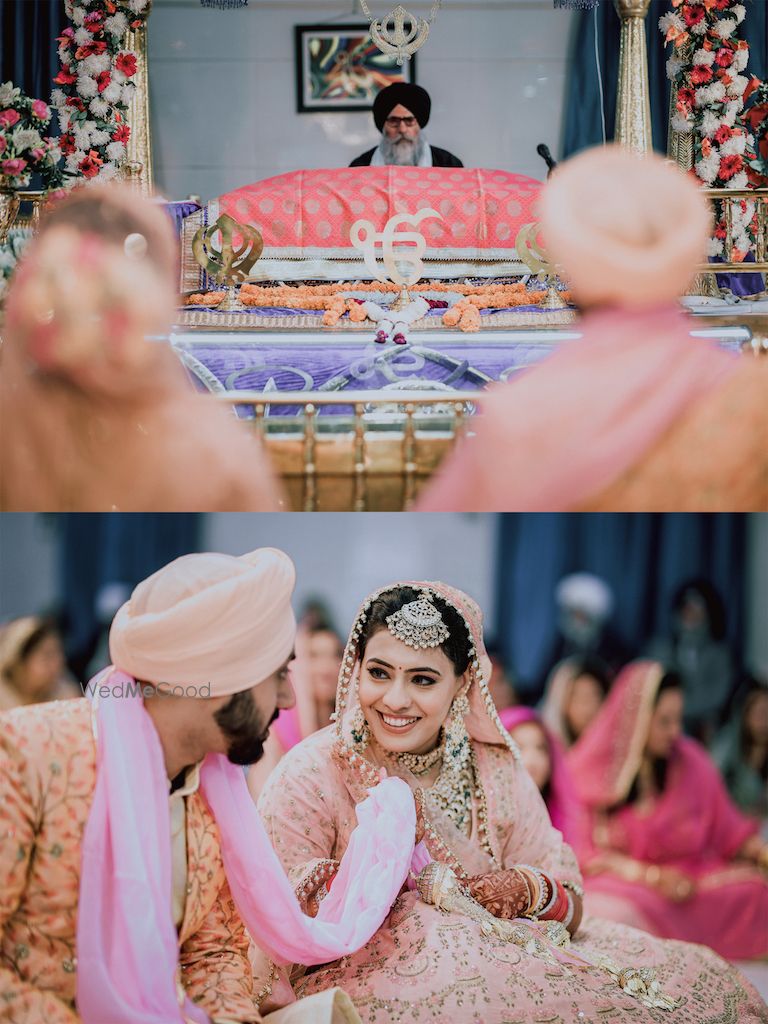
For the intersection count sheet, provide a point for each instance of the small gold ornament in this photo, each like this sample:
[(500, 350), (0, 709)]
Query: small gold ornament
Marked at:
[(532, 254)]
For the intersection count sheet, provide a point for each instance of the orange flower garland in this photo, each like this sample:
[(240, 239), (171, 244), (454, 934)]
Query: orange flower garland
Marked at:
[(464, 314)]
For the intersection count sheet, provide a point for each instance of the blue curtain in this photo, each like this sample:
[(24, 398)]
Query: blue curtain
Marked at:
[(95, 549), (582, 126), (28, 58), (642, 556)]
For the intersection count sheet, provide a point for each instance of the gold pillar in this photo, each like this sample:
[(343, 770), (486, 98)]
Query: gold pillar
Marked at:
[(633, 105), (138, 165)]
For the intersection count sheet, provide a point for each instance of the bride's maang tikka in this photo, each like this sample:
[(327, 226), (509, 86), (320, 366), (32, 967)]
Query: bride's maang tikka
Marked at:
[(419, 623)]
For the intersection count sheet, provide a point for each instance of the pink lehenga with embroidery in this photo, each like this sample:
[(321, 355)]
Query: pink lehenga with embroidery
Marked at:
[(424, 964)]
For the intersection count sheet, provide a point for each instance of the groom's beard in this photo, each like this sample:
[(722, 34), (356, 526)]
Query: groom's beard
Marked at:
[(402, 151), (244, 728)]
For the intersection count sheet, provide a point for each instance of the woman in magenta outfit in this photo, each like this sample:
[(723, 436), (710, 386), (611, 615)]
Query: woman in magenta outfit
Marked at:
[(544, 758), (667, 850)]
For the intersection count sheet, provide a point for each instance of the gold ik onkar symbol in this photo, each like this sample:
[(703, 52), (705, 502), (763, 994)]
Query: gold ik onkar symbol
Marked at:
[(365, 237), (532, 254), (229, 265)]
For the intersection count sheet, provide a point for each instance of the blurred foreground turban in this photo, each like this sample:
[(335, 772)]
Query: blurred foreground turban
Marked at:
[(624, 229), (412, 97), (209, 619)]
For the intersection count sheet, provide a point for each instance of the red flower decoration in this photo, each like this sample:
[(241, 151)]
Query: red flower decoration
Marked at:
[(94, 48), (701, 74), (137, 23), (686, 97), (67, 143), (693, 14), (89, 167), (121, 134), (102, 80), (720, 5), (731, 165), (65, 77), (722, 134), (724, 57), (76, 102), (126, 62)]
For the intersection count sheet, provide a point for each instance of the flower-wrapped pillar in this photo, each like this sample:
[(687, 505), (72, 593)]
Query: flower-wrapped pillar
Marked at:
[(101, 94), (708, 134), (139, 149), (633, 104)]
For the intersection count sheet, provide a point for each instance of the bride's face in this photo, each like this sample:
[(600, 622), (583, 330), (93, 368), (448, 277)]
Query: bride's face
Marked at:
[(405, 694)]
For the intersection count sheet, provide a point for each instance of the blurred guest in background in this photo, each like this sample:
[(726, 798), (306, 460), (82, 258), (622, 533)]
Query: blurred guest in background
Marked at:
[(667, 850), (585, 605), (575, 691), (696, 648), (637, 414), (96, 416), (500, 686), (314, 673), (741, 751), (32, 666), (545, 761)]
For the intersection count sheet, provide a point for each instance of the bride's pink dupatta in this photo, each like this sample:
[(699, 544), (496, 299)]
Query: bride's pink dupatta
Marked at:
[(127, 946)]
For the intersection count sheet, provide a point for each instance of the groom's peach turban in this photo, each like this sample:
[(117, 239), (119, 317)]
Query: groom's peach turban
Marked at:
[(625, 230), (209, 619)]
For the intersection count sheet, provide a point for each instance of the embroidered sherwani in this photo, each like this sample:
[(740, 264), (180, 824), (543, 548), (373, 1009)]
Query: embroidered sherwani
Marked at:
[(47, 780)]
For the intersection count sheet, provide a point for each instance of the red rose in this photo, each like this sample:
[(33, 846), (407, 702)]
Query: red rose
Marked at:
[(121, 134), (89, 167), (724, 57), (8, 118), (13, 168), (92, 49), (693, 14), (701, 74), (67, 143), (102, 80), (731, 165), (722, 134), (126, 62), (65, 77)]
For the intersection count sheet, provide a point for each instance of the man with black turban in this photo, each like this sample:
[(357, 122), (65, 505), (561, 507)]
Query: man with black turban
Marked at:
[(400, 112)]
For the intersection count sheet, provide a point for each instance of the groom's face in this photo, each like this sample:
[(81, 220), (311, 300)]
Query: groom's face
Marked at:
[(245, 719)]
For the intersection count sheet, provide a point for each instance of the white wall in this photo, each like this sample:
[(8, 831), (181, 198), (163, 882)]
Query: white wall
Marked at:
[(342, 557), (223, 92)]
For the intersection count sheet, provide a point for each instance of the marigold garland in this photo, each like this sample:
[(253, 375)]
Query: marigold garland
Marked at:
[(464, 314)]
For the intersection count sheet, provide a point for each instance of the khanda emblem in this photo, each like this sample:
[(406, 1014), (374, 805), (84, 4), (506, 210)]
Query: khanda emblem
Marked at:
[(230, 263), (365, 238), (399, 33)]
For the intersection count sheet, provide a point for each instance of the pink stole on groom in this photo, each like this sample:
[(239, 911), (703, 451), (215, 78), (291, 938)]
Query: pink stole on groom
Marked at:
[(566, 429), (127, 946)]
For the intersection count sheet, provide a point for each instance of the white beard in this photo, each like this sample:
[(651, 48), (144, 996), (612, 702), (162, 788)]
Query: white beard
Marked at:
[(403, 152)]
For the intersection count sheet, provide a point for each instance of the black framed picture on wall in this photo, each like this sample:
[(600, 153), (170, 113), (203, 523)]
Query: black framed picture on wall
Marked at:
[(338, 67)]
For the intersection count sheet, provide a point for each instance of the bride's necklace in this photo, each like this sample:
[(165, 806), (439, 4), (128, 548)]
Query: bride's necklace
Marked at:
[(419, 764), (400, 32)]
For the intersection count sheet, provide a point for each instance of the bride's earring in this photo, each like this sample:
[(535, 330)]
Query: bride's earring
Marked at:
[(361, 734), (456, 735)]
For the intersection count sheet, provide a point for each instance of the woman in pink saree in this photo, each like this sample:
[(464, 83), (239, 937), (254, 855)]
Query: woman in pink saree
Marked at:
[(667, 850), (637, 415), (483, 934)]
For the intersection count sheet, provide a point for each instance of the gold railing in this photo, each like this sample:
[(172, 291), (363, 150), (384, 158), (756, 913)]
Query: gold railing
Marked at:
[(375, 458), (760, 197)]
